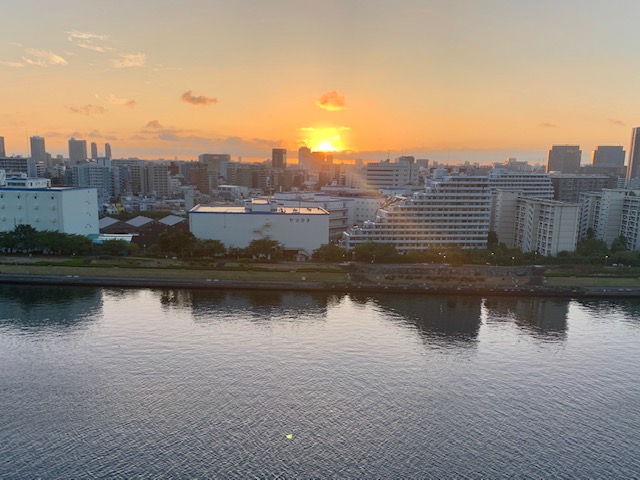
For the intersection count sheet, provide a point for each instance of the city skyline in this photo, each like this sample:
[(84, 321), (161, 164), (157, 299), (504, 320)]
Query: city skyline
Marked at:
[(449, 82)]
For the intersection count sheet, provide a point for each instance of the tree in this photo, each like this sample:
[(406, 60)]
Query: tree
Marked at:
[(592, 247), (265, 248), (177, 243), (209, 248), (329, 253), (114, 247), (619, 244), (376, 252), (492, 240)]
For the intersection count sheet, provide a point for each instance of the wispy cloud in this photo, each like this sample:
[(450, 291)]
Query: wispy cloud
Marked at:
[(615, 121), (88, 109), (153, 124), (90, 41), (331, 101), (128, 60), (548, 125), (42, 58), (113, 100), (12, 64), (189, 97)]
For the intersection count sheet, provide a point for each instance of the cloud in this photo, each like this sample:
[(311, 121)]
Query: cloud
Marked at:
[(615, 121), (113, 100), (42, 58), (90, 41), (127, 60), (76, 35), (189, 97), (331, 101), (548, 125), (153, 124), (12, 64), (87, 109)]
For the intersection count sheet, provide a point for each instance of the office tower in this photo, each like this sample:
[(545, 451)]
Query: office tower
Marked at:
[(94, 151), (77, 151), (3, 152), (607, 156), (564, 159), (633, 168), (38, 152), (217, 164), (107, 150), (279, 158)]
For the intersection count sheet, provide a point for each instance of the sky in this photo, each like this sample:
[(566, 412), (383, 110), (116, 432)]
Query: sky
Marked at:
[(448, 80)]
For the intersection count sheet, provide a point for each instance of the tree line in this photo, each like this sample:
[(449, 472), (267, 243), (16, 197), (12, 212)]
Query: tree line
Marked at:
[(24, 239)]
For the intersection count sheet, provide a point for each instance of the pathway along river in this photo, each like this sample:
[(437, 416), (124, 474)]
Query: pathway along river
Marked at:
[(112, 383)]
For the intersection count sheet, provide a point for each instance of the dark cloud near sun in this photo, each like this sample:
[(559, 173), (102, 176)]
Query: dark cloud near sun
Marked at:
[(548, 125), (331, 101), (88, 109), (189, 97)]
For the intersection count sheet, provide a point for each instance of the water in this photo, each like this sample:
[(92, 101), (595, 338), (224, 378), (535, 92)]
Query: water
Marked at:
[(105, 383)]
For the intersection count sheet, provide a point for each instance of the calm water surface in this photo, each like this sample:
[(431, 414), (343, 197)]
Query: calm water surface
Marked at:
[(105, 383)]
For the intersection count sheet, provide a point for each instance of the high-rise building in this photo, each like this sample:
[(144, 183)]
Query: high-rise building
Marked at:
[(77, 151), (38, 151), (107, 150), (633, 168), (564, 159), (279, 158), (94, 151), (607, 156), (3, 152)]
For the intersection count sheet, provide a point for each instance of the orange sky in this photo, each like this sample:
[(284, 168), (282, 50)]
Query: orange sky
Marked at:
[(457, 81)]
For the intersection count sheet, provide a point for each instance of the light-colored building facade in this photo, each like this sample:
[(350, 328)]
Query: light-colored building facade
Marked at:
[(390, 175), (93, 175), (18, 165), (29, 201), (610, 214), (304, 228), (451, 213), (545, 226), (341, 210)]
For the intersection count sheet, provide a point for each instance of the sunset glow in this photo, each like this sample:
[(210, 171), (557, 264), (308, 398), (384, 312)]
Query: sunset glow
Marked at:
[(492, 83)]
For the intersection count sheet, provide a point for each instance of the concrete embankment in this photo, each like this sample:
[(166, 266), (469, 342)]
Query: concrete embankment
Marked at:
[(216, 284)]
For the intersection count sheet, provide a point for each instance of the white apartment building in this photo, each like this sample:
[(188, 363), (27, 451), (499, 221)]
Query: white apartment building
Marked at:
[(451, 213), (544, 226), (390, 174), (32, 201), (537, 185), (610, 214), (296, 228)]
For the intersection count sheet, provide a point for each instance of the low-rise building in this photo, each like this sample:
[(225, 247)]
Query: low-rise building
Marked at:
[(32, 201), (296, 228)]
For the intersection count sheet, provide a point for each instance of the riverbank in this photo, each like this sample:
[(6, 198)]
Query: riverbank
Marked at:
[(421, 279), (303, 285)]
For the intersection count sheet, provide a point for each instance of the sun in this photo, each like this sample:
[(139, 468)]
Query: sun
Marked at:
[(324, 139), (325, 146)]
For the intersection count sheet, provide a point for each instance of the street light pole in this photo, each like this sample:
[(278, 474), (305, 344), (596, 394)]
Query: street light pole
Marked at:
[(606, 257)]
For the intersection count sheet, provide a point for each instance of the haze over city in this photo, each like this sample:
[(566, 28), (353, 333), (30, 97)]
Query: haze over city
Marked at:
[(449, 81)]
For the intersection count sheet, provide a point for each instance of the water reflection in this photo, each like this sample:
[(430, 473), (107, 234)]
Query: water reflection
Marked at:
[(268, 305), (628, 308), (540, 316), (46, 307), (437, 319)]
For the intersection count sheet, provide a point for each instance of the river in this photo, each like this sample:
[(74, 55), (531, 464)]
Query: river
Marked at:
[(108, 383)]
